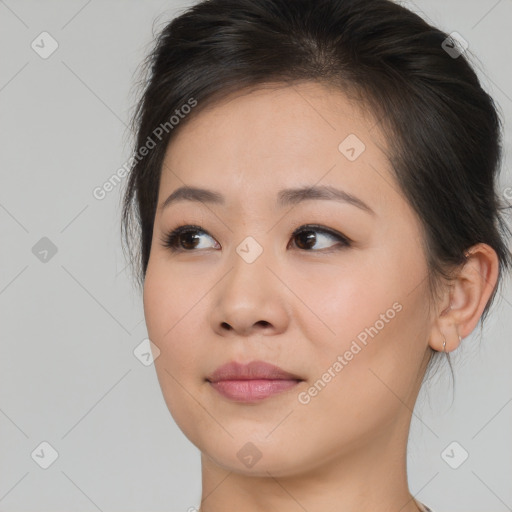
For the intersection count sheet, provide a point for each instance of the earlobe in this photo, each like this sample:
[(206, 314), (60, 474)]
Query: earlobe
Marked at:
[(446, 340), (449, 348), (469, 293)]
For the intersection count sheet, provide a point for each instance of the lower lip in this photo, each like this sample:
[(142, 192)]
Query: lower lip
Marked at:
[(252, 390)]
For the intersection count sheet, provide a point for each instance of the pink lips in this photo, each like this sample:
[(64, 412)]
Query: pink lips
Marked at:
[(251, 382)]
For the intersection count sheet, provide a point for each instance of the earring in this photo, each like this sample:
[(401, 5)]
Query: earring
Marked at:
[(444, 344)]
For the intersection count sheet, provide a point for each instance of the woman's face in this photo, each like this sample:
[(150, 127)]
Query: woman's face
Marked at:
[(348, 320)]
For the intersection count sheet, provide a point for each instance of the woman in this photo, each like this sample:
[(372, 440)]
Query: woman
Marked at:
[(314, 191)]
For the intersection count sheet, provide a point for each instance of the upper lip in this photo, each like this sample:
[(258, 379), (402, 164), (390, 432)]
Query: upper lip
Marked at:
[(250, 371)]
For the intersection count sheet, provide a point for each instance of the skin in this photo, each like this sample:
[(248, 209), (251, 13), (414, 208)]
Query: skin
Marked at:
[(298, 306)]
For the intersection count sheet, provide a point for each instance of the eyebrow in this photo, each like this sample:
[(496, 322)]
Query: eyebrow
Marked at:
[(291, 196)]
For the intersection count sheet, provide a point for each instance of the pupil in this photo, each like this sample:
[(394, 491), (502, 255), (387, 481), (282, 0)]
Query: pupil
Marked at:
[(309, 236), (186, 237)]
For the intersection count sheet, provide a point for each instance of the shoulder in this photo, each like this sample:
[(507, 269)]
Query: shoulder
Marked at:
[(423, 507)]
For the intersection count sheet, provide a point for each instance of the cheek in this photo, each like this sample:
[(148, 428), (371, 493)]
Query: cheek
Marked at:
[(170, 310), (171, 313), (167, 297), (376, 300), (157, 300), (368, 368)]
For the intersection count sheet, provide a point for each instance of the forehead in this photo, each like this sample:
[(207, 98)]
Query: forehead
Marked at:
[(271, 138)]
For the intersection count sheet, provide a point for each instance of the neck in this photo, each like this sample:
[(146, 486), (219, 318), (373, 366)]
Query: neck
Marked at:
[(372, 476)]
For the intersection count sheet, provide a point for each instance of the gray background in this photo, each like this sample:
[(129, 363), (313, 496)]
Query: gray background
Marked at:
[(69, 325)]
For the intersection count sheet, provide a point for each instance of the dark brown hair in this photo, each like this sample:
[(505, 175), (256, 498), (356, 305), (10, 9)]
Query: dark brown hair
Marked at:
[(443, 129)]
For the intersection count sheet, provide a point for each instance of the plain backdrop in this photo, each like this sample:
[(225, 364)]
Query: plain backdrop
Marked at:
[(72, 321)]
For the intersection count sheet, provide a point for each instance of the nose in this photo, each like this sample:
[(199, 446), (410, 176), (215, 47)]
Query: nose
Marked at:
[(250, 299)]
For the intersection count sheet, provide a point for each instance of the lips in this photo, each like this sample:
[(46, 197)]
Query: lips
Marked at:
[(251, 382), (255, 370)]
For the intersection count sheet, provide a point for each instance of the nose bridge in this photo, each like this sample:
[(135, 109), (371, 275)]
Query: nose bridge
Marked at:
[(250, 295), (249, 277), (250, 250)]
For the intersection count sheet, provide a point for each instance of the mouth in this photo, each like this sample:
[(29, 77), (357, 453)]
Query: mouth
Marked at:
[(251, 382)]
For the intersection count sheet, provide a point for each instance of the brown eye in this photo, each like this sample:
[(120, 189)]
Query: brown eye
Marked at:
[(306, 239), (186, 238), (308, 236), (189, 238)]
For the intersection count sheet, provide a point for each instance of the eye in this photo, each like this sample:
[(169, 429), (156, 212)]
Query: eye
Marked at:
[(185, 238), (188, 238), (308, 239)]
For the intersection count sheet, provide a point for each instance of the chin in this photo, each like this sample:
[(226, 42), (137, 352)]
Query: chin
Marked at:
[(252, 455)]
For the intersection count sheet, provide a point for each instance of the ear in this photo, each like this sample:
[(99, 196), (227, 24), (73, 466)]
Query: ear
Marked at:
[(465, 299)]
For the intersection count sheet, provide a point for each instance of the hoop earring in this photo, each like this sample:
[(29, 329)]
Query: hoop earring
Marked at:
[(444, 342)]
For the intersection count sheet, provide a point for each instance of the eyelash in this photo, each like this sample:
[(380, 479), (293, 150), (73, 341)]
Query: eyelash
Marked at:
[(172, 239)]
